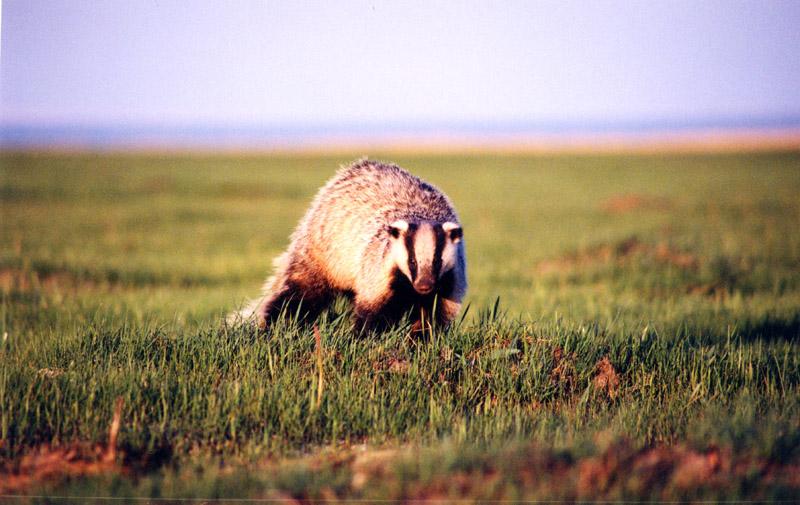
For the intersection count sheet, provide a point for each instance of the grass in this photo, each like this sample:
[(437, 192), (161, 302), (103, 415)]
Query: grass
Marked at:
[(683, 271)]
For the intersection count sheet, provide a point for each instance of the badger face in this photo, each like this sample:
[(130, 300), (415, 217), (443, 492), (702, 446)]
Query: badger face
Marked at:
[(424, 251)]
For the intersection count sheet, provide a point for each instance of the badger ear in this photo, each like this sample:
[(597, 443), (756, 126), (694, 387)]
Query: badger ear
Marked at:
[(453, 230), (398, 227)]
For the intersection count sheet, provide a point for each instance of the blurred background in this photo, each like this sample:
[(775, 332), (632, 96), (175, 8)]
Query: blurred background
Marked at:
[(288, 75)]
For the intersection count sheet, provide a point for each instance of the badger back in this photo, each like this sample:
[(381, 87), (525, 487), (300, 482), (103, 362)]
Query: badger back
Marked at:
[(356, 205)]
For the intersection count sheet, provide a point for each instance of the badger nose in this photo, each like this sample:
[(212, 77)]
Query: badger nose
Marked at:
[(423, 287)]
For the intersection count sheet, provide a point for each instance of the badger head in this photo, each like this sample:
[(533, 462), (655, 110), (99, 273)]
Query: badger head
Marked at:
[(424, 251)]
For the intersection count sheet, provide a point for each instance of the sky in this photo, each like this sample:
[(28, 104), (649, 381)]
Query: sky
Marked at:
[(173, 62)]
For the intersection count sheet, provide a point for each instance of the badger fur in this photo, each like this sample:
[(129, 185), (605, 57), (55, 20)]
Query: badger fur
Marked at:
[(380, 235)]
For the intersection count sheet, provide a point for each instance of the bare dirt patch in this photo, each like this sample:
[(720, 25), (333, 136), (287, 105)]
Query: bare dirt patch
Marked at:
[(629, 202), (606, 379), (53, 464), (664, 471), (411, 473), (563, 374), (392, 364), (621, 252), (15, 279), (675, 470), (716, 292)]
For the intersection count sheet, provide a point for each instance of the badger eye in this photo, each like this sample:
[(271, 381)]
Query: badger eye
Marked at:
[(413, 263)]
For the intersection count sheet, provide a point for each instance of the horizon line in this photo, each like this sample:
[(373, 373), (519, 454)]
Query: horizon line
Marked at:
[(517, 135), (702, 140)]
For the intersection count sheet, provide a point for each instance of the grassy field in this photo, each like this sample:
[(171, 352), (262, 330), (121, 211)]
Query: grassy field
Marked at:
[(633, 333)]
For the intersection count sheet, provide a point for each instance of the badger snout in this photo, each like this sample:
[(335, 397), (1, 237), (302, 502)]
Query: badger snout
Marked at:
[(423, 286)]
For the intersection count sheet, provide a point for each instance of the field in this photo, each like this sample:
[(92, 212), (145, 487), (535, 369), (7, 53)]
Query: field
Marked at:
[(633, 333)]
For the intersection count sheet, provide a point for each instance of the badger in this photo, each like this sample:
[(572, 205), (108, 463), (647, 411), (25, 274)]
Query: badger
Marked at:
[(388, 240)]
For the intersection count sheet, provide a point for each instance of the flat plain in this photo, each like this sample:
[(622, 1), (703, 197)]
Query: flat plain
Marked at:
[(633, 333)]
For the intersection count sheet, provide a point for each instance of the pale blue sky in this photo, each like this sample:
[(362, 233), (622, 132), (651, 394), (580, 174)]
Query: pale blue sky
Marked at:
[(350, 62)]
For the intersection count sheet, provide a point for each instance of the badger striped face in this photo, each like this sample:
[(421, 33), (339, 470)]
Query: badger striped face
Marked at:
[(424, 251)]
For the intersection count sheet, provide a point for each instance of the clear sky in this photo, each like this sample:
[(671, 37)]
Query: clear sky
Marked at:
[(331, 62)]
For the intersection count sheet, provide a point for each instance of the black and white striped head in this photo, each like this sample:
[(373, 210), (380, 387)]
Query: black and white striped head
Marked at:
[(424, 251)]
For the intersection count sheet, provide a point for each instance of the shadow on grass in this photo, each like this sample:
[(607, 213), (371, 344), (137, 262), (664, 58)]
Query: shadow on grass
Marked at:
[(770, 329)]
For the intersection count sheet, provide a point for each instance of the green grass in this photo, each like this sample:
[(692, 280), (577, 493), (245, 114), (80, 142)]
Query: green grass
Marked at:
[(116, 271)]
